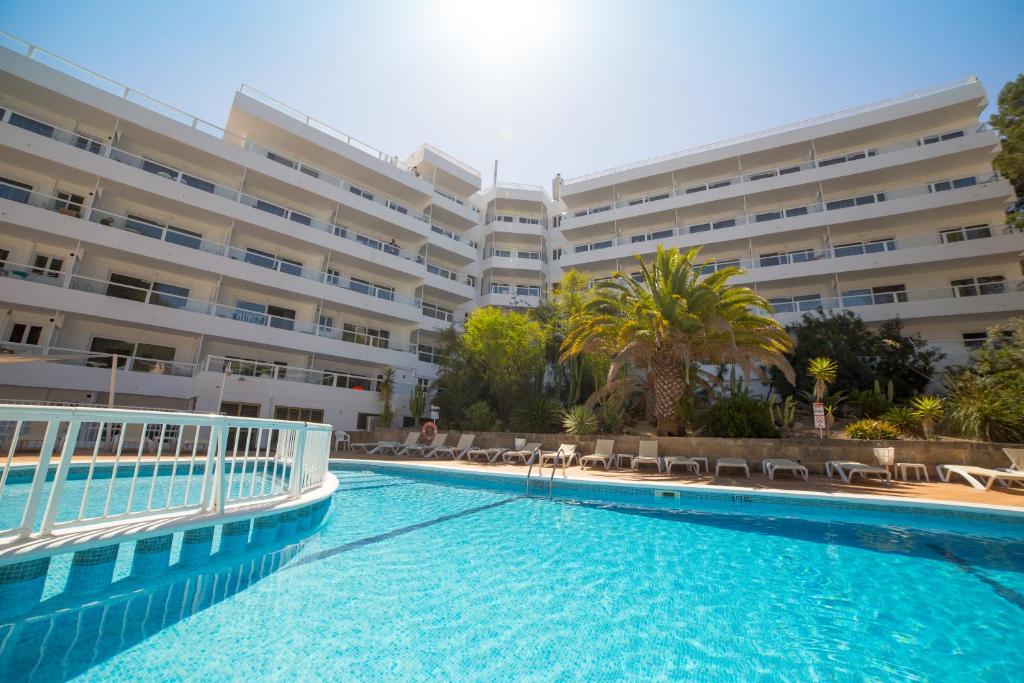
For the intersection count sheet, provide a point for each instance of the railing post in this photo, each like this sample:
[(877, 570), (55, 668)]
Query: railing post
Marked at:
[(39, 480), (213, 492), (57, 489), (298, 459)]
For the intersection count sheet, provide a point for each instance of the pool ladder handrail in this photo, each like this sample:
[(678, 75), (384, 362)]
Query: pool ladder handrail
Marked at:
[(529, 471)]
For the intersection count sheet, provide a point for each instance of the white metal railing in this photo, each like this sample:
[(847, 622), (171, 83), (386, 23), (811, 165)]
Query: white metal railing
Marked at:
[(781, 129), (69, 68), (519, 186), (867, 297), (455, 237), (96, 359), (243, 367), (322, 127), (456, 199), (778, 171), (148, 464), (791, 212), (451, 159)]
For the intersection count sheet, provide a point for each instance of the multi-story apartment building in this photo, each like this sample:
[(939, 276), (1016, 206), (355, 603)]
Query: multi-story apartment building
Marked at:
[(277, 266)]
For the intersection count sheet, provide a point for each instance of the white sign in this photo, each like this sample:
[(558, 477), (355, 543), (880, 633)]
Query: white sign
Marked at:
[(435, 413), (819, 416)]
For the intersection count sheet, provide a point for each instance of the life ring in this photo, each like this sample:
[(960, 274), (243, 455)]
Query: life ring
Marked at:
[(429, 431)]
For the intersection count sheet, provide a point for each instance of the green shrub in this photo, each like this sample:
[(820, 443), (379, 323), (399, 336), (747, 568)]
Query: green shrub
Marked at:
[(871, 403), (611, 415), (580, 420), (539, 415), (901, 417), (740, 416), (479, 417), (872, 429)]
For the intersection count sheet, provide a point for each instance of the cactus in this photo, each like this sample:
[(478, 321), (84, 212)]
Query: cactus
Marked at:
[(785, 413), (889, 391)]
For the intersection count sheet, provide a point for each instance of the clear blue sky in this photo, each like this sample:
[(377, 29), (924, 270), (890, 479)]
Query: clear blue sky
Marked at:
[(544, 86)]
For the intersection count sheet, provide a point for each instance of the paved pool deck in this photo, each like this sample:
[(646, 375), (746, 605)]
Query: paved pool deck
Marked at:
[(955, 492)]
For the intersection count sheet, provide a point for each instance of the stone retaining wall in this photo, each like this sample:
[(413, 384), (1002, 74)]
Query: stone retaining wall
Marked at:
[(811, 452)]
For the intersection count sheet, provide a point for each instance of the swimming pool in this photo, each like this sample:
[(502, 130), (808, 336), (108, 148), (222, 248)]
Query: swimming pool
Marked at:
[(416, 576)]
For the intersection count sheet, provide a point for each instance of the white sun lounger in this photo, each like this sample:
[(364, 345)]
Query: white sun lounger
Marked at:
[(847, 470), (688, 463), (393, 447), (773, 465), (603, 454), (732, 463), (378, 446), (973, 475), (565, 455), (485, 454), (522, 453), (831, 466), (455, 452), (422, 448), (647, 454)]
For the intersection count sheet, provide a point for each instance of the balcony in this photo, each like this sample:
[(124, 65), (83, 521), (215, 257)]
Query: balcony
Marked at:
[(581, 253), (1001, 297), (512, 297), (574, 219), (186, 238), (516, 225), (167, 298), (514, 259)]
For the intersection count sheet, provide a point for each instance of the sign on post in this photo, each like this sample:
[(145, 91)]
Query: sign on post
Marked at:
[(819, 415), (435, 413)]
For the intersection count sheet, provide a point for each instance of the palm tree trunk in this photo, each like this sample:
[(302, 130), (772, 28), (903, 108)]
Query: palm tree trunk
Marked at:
[(669, 387)]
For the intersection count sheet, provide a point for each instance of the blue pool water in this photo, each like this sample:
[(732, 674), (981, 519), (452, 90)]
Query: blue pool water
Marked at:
[(414, 577)]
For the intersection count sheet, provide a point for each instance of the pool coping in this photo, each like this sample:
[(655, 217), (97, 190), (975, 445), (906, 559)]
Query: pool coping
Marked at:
[(874, 500), (109, 533)]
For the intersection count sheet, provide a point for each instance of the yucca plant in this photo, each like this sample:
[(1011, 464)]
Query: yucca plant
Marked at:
[(580, 420), (872, 429), (824, 371), (902, 417), (386, 389), (929, 410)]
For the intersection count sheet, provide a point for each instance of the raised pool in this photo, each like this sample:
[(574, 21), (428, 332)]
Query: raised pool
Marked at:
[(420, 576)]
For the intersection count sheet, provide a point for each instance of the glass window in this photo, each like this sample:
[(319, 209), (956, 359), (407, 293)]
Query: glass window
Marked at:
[(877, 246), (69, 204), (768, 216), (31, 125), (249, 312), (159, 169), (964, 287), (770, 260), (109, 346), (851, 249), (782, 304), (23, 333), (857, 297), (198, 183), (808, 302), (796, 211), (974, 340), (171, 296), (144, 226), (128, 287), (289, 266), (281, 318), (15, 191), (994, 284), (49, 266), (151, 358), (185, 238), (270, 208), (298, 414), (259, 258), (889, 294)]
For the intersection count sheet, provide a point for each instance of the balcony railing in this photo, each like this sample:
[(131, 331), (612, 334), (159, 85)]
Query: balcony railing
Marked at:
[(453, 160), (517, 254), (455, 237), (502, 221), (93, 359), (859, 300), (791, 212), (186, 303), (778, 171), (186, 238), (242, 367), (457, 200), (775, 131)]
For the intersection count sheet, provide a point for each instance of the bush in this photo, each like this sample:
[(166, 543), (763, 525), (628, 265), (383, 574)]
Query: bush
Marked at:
[(976, 412), (479, 417), (580, 420), (901, 417), (539, 415), (872, 429), (870, 403), (740, 416)]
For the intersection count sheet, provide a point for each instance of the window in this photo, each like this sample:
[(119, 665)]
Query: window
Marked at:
[(974, 340), (870, 247), (270, 208), (345, 380), (233, 409), (875, 295), (280, 159), (499, 288), (365, 194), (325, 323), (528, 290), (31, 125), (358, 334), (88, 144), (15, 191), (333, 276), (4, 255), (807, 302), (969, 232), (159, 169), (438, 312), (144, 226), (198, 183), (991, 284), (289, 266), (47, 265), (23, 333), (138, 289), (298, 414), (281, 318), (556, 254), (249, 312), (69, 204), (428, 354), (185, 238)]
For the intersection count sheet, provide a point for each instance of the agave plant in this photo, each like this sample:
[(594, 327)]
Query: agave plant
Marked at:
[(927, 409), (824, 371), (902, 417), (580, 420)]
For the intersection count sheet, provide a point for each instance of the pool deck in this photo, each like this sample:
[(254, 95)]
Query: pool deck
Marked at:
[(953, 493)]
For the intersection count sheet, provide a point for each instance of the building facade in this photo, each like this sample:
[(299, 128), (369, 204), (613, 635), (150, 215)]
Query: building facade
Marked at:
[(276, 266)]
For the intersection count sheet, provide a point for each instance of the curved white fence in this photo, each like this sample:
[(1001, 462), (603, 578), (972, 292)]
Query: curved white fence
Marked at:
[(128, 464)]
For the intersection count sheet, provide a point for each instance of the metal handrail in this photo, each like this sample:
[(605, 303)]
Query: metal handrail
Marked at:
[(780, 129)]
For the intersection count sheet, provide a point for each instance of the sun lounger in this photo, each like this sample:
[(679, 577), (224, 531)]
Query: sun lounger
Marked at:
[(832, 465), (484, 454), (847, 470), (393, 447), (455, 452), (647, 455), (422, 448), (974, 475), (564, 456), (380, 446), (732, 463), (688, 463), (522, 453), (603, 454), (773, 465)]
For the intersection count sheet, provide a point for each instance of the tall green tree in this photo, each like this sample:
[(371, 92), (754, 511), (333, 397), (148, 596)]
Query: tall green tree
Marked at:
[(671, 317), (1009, 121), (507, 348)]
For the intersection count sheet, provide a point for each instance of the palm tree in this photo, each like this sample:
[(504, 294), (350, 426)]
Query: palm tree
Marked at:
[(823, 370), (671, 317)]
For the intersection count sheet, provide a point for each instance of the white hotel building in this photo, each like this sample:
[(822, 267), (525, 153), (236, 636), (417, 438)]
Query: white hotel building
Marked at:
[(152, 250)]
